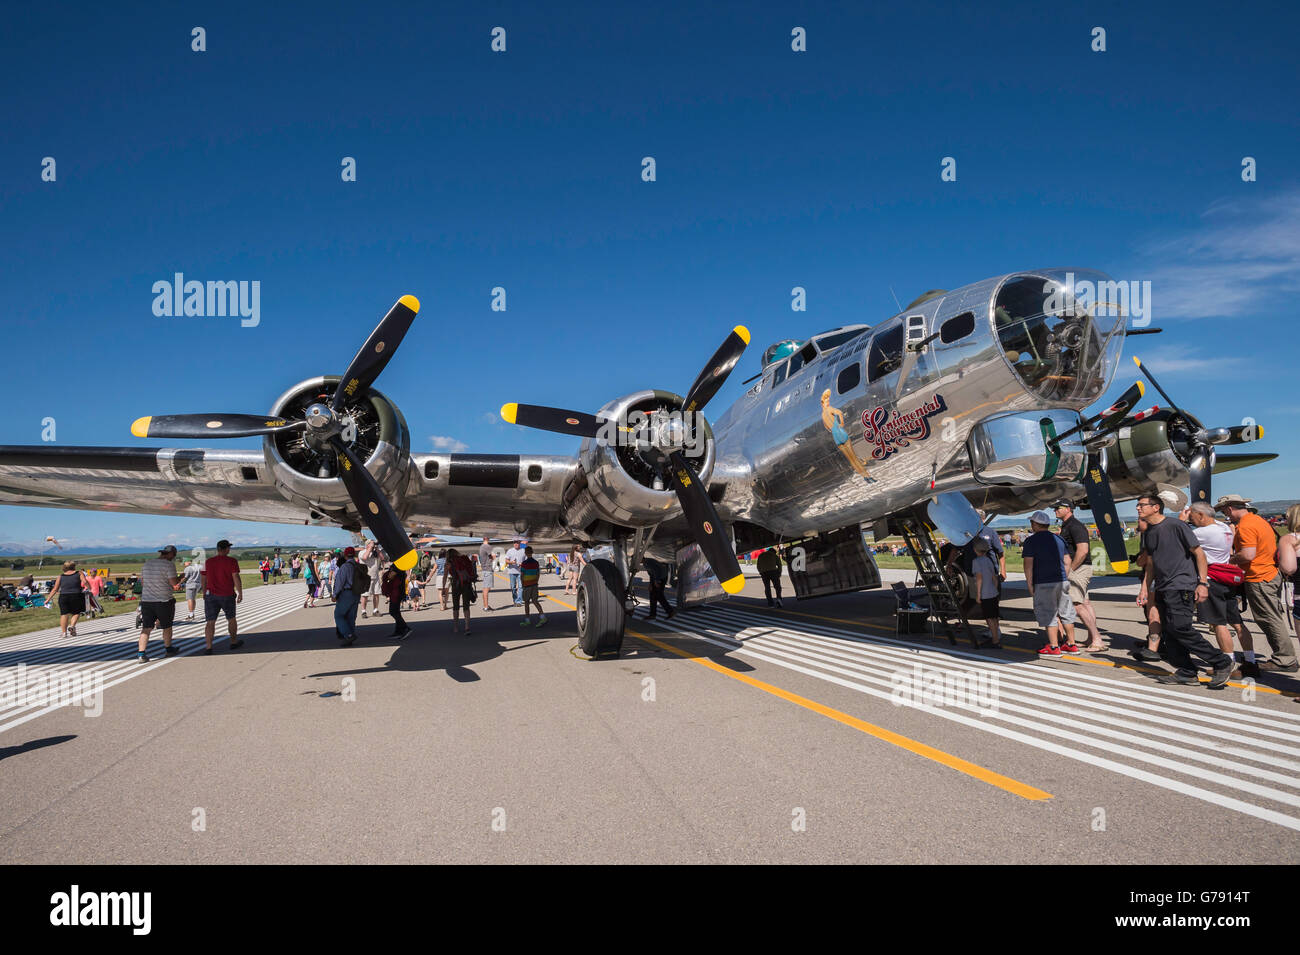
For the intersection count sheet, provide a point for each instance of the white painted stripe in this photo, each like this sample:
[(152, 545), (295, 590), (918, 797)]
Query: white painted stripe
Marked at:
[(1012, 677), (1037, 742), (117, 670)]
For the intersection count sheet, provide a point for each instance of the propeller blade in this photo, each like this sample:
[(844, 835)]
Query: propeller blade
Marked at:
[(1238, 434), (577, 423), (1151, 378), (210, 425), (1102, 504), (703, 519), (377, 351), (1199, 473), (716, 371), (1126, 402), (373, 504)]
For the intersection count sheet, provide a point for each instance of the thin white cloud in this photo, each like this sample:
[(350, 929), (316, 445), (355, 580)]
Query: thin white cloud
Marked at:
[(1177, 359), (441, 442), (1246, 254)]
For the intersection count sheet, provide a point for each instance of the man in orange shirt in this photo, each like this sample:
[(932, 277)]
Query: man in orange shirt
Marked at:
[(1254, 550)]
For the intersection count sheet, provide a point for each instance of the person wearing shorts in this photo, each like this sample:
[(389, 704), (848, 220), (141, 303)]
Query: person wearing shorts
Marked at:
[(158, 581), (222, 590), (987, 583), (1078, 565), (70, 589), (193, 576), (530, 578), (1044, 557)]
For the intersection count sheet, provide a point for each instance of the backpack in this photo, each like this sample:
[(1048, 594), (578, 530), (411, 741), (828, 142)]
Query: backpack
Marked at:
[(360, 577), (464, 570)]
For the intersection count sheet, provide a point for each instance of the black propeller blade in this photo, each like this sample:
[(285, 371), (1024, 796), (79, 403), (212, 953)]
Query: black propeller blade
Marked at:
[(673, 468), (377, 351), (703, 519), (1102, 504), (210, 425), (364, 490), (1109, 418), (709, 380), (577, 423), (373, 505)]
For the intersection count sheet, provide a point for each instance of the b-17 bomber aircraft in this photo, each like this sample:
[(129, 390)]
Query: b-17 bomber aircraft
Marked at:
[(964, 399)]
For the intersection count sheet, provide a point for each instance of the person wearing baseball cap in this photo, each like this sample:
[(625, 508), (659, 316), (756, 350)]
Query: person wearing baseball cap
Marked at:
[(1254, 550), (158, 581), (1045, 573), (1078, 572)]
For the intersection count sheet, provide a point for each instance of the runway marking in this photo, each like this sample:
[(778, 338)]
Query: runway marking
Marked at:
[(1077, 658), (1014, 786), (47, 656), (1023, 790), (829, 654)]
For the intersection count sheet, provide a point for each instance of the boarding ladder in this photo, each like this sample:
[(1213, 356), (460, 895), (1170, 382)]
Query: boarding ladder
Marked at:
[(944, 601)]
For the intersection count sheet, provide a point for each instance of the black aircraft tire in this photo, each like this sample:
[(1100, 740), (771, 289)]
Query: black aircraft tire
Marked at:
[(601, 615)]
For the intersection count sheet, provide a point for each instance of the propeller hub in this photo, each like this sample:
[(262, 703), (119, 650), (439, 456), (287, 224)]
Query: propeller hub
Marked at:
[(319, 416)]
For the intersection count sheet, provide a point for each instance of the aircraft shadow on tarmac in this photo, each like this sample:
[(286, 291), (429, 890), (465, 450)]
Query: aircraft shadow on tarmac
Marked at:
[(7, 751)]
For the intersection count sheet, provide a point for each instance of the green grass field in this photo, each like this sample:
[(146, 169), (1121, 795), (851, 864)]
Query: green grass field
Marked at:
[(38, 618)]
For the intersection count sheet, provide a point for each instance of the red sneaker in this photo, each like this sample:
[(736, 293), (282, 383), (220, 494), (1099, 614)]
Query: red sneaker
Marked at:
[(1049, 651), (1069, 648)]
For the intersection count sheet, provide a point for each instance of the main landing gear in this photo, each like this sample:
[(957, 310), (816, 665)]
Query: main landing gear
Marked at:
[(601, 612)]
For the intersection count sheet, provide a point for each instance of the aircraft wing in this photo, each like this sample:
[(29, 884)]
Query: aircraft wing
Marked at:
[(182, 482), (451, 494)]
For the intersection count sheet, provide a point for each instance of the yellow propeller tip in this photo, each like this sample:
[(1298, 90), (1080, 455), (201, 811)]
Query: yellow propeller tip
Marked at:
[(510, 412), (1119, 566), (411, 302), (1137, 361), (1142, 389), (140, 426), (407, 560), (1259, 431), (735, 585), (743, 332)]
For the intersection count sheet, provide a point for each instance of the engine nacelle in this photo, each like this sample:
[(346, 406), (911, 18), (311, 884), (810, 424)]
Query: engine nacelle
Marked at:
[(616, 482), (376, 430)]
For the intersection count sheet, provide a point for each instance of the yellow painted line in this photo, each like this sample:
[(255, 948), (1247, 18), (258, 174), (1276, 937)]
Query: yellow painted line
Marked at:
[(1014, 786), (1024, 790)]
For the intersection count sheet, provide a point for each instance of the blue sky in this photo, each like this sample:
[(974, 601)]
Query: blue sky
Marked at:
[(522, 170)]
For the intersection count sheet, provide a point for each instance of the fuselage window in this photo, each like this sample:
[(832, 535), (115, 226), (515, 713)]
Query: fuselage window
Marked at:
[(957, 328), (778, 376), (886, 353), (849, 378)]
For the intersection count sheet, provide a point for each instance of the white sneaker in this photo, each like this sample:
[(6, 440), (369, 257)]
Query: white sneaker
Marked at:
[(365, 613)]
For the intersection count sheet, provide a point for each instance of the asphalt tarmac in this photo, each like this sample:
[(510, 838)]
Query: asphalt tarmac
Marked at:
[(730, 734)]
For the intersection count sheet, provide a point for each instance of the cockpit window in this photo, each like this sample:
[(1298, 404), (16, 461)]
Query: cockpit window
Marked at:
[(827, 342), (886, 353), (778, 376), (1050, 336)]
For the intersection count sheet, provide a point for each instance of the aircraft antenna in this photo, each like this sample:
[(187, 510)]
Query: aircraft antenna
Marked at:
[(896, 301)]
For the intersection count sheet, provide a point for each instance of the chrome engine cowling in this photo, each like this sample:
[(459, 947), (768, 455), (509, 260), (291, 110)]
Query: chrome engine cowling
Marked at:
[(375, 429), (617, 482)]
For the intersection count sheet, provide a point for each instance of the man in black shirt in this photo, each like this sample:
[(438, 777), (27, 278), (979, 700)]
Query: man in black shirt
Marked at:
[(1176, 574), (658, 575), (1078, 564)]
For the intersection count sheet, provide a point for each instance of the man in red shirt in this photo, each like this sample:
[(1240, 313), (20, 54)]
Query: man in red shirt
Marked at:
[(222, 589)]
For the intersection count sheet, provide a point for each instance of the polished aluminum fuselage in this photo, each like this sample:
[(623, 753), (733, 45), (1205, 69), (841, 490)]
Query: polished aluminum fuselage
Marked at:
[(780, 463)]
